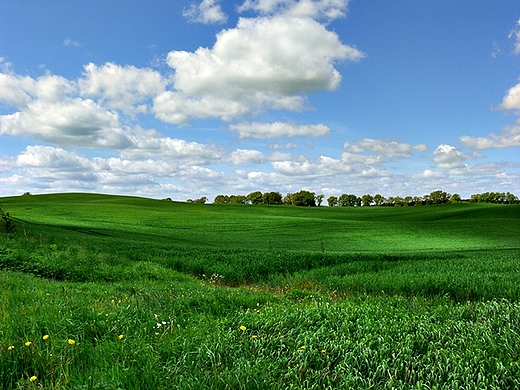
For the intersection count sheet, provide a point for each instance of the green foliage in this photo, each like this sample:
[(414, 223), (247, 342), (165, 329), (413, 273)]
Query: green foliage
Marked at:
[(7, 221), (160, 295)]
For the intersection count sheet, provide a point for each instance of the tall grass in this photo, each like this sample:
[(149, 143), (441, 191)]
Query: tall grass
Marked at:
[(100, 292)]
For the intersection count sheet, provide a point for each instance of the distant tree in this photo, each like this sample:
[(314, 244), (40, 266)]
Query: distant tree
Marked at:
[(319, 199), (367, 200), (301, 198), (439, 197), (379, 200), (27, 193), (304, 198), (408, 201), (343, 200), (455, 198), (201, 200), (417, 201), (221, 199), (332, 201), (237, 199), (254, 198), (511, 198), (288, 199), (272, 198)]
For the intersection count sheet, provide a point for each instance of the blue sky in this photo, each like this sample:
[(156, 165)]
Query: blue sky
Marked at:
[(185, 99)]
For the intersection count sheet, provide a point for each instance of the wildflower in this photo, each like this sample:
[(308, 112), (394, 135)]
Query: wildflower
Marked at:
[(71, 342), (10, 348), (120, 337), (33, 378), (46, 337), (28, 343), (254, 336), (303, 347), (323, 351), (242, 327)]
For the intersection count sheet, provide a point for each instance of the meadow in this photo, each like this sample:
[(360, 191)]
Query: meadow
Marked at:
[(112, 292)]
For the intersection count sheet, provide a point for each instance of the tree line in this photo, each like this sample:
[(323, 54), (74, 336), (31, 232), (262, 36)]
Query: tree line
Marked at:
[(311, 199)]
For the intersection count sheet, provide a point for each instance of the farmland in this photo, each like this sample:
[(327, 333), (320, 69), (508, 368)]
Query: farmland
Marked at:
[(108, 292)]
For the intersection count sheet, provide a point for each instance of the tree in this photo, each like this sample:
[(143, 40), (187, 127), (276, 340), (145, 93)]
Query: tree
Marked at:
[(304, 198), (319, 198), (455, 198), (221, 199), (254, 197), (417, 201), (379, 200), (367, 200), (332, 201), (272, 198), (439, 197)]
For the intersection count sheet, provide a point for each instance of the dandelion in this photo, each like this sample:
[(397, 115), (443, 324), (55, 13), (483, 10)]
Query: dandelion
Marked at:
[(303, 347), (46, 337), (323, 351), (254, 336), (71, 342), (10, 348), (33, 378), (242, 327), (120, 337), (28, 343)]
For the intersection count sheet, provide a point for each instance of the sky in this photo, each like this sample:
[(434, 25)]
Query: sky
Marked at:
[(185, 99)]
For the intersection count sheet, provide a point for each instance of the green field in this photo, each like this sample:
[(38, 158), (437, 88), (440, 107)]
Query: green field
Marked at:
[(136, 293)]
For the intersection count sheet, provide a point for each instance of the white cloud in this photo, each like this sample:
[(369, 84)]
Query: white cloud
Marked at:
[(317, 9), (511, 100), (383, 148), (125, 88), (509, 136), (278, 130), (448, 157), (269, 62), (327, 166), (515, 34), (71, 42), (244, 156), (207, 12), (148, 144), (72, 122)]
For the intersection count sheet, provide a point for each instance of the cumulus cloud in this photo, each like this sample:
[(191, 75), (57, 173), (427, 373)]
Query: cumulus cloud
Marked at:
[(268, 62), (125, 88), (384, 149), (327, 166), (72, 122), (449, 157), (317, 9), (509, 136), (278, 130), (245, 156), (207, 12)]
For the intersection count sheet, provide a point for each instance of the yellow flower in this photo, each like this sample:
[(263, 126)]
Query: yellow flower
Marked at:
[(28, 343), (33, 378), (71, 342), (10, 348), (303, 347), (46, 337), (323, 351), (242, 327), (120, 337), (254, 336)]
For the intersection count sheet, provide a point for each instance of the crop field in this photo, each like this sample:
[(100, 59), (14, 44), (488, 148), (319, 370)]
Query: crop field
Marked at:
[(112, 292)]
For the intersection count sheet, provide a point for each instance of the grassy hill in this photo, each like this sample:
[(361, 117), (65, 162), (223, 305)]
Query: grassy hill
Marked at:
[(142, 293)]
